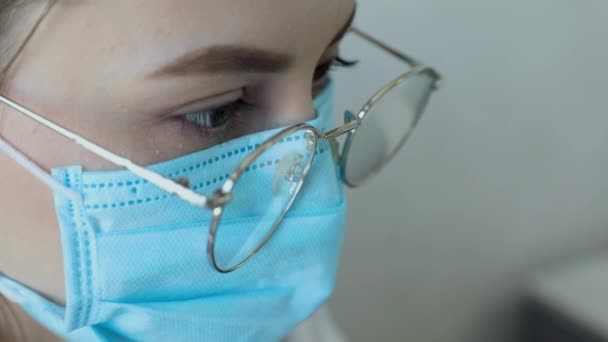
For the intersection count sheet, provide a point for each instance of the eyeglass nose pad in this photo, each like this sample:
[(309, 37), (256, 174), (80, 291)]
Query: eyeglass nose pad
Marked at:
[(288, 175), (349, 116)]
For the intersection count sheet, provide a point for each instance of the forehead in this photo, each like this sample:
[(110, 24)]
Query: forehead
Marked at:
[(157, 30)]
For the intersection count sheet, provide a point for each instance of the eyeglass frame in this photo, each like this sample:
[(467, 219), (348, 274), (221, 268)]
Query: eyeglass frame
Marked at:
[(222, 196)]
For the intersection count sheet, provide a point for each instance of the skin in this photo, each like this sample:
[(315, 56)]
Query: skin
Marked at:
[(88, 69)]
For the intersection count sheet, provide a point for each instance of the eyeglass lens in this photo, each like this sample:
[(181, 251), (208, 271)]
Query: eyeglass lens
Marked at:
[(386, 127), (276, 176)]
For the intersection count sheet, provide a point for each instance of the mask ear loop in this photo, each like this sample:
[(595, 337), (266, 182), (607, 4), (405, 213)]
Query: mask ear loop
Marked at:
[(37, 171), (160, 181)]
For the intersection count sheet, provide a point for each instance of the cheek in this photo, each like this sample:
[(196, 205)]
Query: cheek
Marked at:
[(170, 139), (45, 147)]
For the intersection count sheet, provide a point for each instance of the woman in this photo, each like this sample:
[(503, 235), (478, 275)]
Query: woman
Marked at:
[(201, 93)]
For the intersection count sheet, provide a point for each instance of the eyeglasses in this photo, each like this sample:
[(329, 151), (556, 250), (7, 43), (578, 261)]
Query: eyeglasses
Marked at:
[(372, 138)]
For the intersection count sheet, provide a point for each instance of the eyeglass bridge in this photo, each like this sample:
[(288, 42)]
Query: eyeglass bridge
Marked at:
[(220, 199)]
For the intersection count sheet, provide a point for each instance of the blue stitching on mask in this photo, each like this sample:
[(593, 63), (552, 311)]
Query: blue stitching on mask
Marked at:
[(183, 170), (82, 306), (325, 211), (76, 263), (91, 278), (195, 187), (85, 260), (88, 269), (81, 265)]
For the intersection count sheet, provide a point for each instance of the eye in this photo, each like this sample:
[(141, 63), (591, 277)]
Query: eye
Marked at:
[(322, 71), (222, 118), (216, 117)]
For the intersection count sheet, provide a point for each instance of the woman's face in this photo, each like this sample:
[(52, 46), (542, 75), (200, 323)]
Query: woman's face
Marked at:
[(125, 74)]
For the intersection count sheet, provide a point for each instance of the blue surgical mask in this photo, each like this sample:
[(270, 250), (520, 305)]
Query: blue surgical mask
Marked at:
[(136, 266)]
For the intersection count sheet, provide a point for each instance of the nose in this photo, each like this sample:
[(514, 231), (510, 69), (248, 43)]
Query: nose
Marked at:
[(288, 101)]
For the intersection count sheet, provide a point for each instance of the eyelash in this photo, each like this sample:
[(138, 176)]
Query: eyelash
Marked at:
[(216, 119), (338, 62)]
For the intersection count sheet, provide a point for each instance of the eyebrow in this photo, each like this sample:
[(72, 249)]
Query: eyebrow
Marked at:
[(235, 59), (226, 59)]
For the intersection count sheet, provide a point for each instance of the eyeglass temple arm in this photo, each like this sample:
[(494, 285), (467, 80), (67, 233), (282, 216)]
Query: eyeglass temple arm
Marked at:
[(411, 61), (400, 55), (152, 177)]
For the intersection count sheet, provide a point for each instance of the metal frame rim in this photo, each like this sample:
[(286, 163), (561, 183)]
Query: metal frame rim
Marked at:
[(233, 180), (377, 97)]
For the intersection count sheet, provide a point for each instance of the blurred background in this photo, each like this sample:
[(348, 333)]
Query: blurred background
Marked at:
[(501, 194)]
